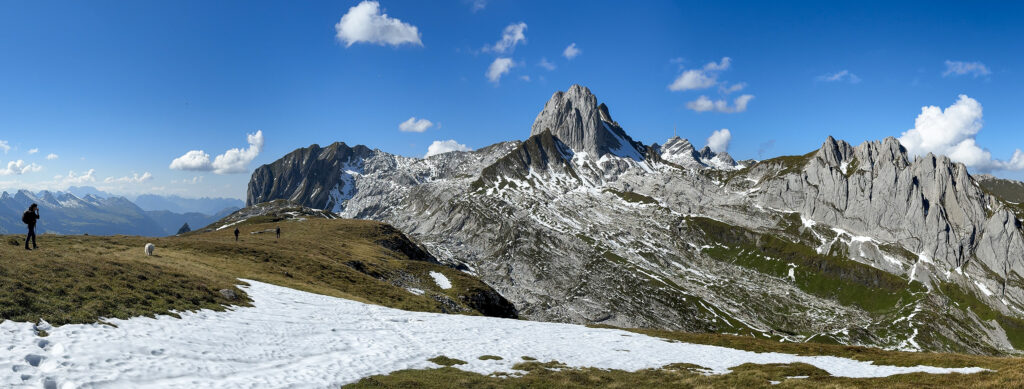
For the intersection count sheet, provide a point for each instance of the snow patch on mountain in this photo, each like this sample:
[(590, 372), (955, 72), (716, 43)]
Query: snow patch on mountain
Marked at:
[(441, 281), (291, 338)]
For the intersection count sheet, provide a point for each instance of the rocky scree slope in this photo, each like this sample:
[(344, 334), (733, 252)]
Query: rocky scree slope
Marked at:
[(580, 223)]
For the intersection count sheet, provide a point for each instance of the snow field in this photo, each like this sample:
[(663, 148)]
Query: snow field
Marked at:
[(291, 338), (441, 281)]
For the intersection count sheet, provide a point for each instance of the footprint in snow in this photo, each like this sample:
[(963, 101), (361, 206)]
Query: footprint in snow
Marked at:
[(34, 359)]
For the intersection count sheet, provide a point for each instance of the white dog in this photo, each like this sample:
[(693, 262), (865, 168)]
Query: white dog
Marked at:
[(149, 249)]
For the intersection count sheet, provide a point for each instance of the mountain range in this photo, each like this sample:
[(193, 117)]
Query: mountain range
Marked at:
[(96, 213), (580, 223)]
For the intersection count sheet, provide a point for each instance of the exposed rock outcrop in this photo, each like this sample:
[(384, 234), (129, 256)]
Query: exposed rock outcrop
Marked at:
[(576, 118)]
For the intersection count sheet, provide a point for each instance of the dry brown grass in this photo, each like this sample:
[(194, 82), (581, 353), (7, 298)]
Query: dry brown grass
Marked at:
[(82, 279)]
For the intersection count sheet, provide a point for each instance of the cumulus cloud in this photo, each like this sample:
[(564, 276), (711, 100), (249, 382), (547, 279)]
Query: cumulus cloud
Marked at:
[(232, 161), (73, 179), (705, 104), (365, 23), (478, 5), (525, 78), (52, 156), (960, 68), (444, 146), (135, 178), (237, 160), (415, 125), (5, 146), (719, 140), (498, 68), (510, 37), (702, 78), (842, 75), (951, 132), (692, 79), (546, 65), (19, 167), (571, 51), (33, 151), (197, 160)]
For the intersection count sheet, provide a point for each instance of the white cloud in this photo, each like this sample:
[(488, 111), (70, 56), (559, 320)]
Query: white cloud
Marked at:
[(444, 146), (571, 51), (740, 104), (415, 125), (510, 37), (842, 75), (952, 132), (364, 23), (703, 78), (704, 104), (72, 179), (960, 68), (52, 156), (478, 5), (546, 65), (193, 160), (692, 79), (725, 90), (499, 67), (720, 66), (5, 146), (237, 160), (19, 167), (525, 78), (135, 178), (719, 140), (33, 151), (232, 161)]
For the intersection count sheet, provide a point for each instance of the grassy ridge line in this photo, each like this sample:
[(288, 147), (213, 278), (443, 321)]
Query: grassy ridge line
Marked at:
[(83, 279)]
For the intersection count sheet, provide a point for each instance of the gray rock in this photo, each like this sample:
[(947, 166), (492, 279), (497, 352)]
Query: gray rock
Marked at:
[(228, 294), (575, 118)]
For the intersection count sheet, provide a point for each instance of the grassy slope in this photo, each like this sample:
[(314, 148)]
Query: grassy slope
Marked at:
[(82, 279)]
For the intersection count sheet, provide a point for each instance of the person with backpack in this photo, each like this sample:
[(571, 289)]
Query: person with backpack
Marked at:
[(236, 234), (30, 217)]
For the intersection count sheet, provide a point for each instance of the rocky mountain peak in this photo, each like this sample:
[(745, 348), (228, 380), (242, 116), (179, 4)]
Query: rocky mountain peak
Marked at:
[(576, 119), (681, 152)]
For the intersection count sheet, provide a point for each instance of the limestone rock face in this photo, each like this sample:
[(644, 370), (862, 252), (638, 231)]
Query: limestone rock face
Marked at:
[(302, 175), (576, 118), (581, 224), (930, 205)]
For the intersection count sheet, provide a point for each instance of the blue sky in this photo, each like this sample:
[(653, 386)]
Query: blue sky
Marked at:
[(122, 89)]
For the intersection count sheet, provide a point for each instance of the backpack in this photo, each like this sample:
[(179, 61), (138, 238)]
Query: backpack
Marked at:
[(27, 217)]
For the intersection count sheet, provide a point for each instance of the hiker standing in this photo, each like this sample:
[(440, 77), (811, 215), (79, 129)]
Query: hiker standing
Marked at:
[(30, 217), (236, 234), (278, 231)]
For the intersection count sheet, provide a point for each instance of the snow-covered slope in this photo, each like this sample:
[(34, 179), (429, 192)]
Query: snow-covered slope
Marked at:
[(291, 338)]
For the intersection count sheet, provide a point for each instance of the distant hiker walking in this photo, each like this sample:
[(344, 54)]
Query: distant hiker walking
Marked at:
[(30, 217), (278, 231), (236, 234)]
